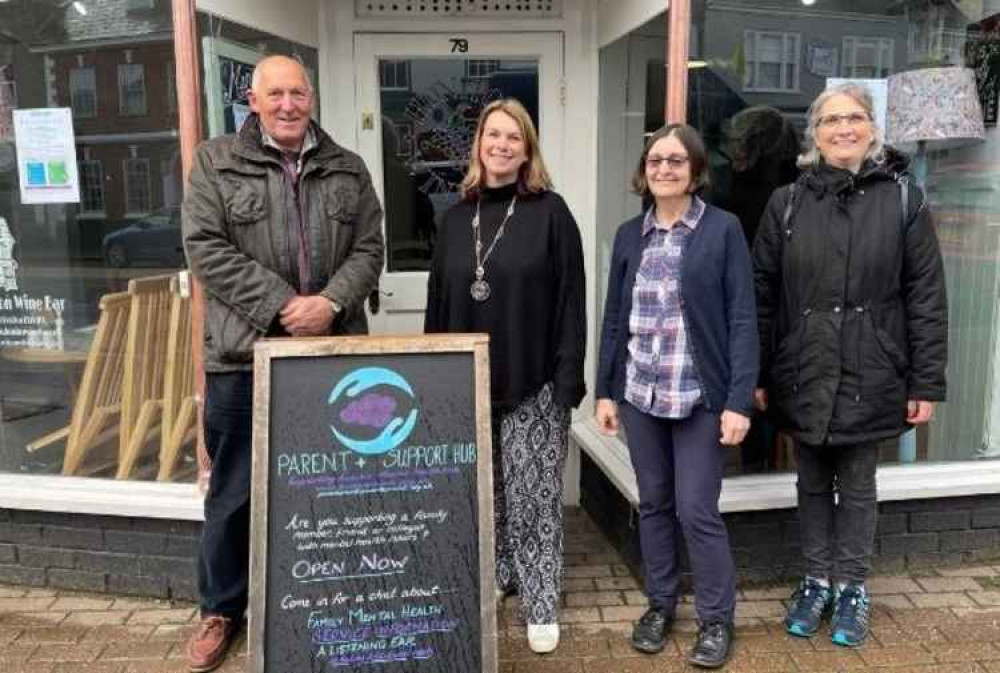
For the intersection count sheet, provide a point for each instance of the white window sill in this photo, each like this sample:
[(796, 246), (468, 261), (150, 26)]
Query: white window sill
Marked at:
[(777, 491), (81, 495)]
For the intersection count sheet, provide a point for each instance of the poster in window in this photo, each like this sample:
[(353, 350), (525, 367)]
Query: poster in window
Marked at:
[(823, 60), (46, 155), (8, 102), (982, 54)]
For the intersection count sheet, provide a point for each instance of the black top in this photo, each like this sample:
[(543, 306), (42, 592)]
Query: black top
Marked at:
[(536, 313)]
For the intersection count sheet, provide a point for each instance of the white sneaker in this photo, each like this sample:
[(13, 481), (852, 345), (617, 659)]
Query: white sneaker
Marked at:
[(543, 638)]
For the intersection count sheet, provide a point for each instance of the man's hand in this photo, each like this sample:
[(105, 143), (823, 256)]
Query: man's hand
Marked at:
[(307, 316), (919, 412), (606, 415), (734, 428)]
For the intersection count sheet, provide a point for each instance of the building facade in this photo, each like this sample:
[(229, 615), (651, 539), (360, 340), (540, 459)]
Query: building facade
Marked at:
[(104, 464)]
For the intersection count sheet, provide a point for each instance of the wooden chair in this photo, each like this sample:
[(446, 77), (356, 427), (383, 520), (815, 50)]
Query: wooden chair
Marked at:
[(179, 411), (145, 365), (98, 403)]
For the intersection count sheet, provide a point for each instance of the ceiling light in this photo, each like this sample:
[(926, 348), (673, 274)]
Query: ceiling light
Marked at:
[(808, 3), (82, 10)]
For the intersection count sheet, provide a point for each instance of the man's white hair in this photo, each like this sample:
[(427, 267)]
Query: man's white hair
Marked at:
[(255, 78)]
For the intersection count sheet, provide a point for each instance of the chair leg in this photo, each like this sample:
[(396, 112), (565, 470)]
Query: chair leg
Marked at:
[(171, 448), (145, 425)]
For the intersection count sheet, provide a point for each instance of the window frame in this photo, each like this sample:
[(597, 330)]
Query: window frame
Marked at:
[(74, 89), (128, 175), (82, 164), (752, 62), (408, 83), (123, 70), (849, 55)]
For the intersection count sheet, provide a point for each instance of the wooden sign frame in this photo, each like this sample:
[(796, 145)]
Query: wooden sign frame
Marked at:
[(267, 350)]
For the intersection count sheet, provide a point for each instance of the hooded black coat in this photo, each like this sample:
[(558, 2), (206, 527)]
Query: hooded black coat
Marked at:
[(851, 305)]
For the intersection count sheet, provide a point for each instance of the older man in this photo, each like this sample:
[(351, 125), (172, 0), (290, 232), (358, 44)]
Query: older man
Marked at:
[(283, 229)]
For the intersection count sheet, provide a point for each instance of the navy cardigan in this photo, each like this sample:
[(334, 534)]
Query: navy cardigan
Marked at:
[(717, 299)]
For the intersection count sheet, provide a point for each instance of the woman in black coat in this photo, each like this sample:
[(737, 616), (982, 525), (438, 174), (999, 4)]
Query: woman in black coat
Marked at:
[(853, 325)]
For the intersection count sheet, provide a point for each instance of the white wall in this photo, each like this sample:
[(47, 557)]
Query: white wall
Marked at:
[(291, 19), (617, 18)]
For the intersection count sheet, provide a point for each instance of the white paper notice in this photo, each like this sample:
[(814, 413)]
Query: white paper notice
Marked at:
[(46, 155)]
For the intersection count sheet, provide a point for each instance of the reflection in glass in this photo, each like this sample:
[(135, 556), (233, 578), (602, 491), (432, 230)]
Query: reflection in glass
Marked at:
[(429, 113)]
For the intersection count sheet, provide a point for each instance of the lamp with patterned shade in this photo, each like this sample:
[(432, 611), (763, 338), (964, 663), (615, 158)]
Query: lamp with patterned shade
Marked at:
[(938, 105), (933, 105)]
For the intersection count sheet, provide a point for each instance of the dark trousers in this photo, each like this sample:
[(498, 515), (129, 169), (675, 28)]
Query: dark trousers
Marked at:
[(838, 509), (678, 466), (223, 566)]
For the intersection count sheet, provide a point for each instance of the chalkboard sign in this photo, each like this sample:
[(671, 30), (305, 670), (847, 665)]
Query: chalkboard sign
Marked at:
[(372, 514)]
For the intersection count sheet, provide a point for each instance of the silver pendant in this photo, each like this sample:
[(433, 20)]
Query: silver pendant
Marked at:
[(480, 290)]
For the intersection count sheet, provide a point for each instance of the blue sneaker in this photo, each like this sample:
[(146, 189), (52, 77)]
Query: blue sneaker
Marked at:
[(810, 602), (852, 609)]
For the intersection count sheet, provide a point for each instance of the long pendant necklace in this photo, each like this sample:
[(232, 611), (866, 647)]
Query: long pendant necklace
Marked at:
[(480, 289)]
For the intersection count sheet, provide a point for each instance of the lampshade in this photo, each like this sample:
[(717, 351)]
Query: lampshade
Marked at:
[(934, 104)]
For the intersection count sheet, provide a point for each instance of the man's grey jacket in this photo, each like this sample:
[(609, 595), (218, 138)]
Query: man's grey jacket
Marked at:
[(239, 244)]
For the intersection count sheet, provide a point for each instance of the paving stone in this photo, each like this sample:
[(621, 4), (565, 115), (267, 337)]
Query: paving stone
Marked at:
[(627, 613), (760, 662), (52, 634), (97, 618), (629, 665), (780, 642), (891, 634), (985, 598), (132, 651), (948, 584), (27, 667), (896, 602), (75, 652), (980, 571), (577, 615), (14, 652), (972, 651), (989, 633), (635, 597), (31, 618), (892, 585), (609, 630), (73, 603), (156, 667), (172, 632), (578, 584), (616, 583), (11, 592), (176, 616), (589, 571), (896, 656), (549, 666), (25, 604), (945, 600), (926, 617), (771, 594), (109, 633), (91, 667), (594, 599), (821, 662), (760, 609)]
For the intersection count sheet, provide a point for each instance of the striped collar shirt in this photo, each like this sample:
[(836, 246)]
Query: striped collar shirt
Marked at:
[(661, 379)]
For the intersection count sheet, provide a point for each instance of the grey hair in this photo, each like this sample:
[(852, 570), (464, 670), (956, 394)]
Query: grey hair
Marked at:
[(860, 95), (255, 77)]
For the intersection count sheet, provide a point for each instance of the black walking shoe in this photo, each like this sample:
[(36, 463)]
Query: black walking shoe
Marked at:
[(711, 647), (649, 634)]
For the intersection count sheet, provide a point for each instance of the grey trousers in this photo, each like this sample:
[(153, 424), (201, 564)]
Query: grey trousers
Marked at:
[(838, 509), (529, 454)]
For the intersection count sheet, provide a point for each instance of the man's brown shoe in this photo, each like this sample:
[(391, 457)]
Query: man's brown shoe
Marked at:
[(206, 650)]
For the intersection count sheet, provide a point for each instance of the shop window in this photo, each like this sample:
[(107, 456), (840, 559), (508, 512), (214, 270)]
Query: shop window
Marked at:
[(137, 186), (867, 57), (132, 89), (772, 61), (394, 75), (83, 92), (91, 187)]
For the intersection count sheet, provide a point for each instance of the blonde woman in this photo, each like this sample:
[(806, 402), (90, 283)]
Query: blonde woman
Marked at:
[(509, 262)]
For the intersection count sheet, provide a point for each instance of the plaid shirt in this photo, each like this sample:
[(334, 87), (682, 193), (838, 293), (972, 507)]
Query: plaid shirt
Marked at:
[(660, 376)]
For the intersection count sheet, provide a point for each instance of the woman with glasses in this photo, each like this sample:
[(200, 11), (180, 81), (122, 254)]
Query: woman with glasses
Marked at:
[(678, 363), (509, 262), (854, 333)]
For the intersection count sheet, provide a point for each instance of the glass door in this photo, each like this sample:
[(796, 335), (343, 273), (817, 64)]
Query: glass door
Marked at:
[(419, 98)]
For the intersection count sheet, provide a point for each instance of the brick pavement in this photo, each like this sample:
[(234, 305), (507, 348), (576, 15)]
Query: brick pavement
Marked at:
[(946, 621)]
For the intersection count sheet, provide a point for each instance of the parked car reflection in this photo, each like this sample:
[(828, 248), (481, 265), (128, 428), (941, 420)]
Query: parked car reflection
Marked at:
[(154, 240)]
